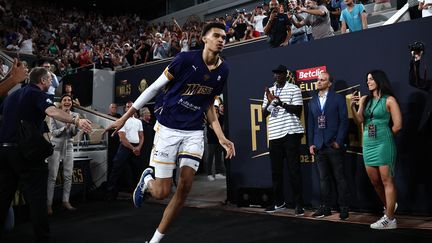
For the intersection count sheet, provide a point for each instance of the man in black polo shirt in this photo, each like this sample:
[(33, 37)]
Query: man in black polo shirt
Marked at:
[(31, 104), (277, 26)]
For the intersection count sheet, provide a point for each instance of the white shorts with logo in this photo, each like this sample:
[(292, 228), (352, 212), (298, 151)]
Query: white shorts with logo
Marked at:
[(172, 145)]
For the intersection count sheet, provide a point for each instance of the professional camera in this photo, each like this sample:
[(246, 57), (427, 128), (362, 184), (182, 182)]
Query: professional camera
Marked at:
[(417, 47)]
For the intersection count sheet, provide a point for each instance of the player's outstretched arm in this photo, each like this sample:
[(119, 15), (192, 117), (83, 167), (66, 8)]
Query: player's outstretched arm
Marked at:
[(213, 121), (145, 97)]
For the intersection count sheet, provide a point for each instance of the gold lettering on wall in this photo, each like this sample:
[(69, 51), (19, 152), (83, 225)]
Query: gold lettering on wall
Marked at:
[(256, 119)]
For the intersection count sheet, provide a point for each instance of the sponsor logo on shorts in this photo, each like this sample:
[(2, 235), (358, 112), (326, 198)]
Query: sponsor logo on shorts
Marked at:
[(161, 154)]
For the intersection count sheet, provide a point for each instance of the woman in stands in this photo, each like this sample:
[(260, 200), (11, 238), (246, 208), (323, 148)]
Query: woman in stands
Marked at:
[(62, 135)]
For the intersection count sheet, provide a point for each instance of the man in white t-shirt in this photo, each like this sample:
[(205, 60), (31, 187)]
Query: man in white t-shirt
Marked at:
[(131, 140), (257, 19), (426, 7)]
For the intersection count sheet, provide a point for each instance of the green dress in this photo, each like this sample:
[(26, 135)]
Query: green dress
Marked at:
[(381, 149)]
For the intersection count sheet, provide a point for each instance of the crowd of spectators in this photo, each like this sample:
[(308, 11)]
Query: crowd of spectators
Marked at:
[(74, 38)]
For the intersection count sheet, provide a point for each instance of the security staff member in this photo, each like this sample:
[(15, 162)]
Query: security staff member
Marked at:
[(31, 104)]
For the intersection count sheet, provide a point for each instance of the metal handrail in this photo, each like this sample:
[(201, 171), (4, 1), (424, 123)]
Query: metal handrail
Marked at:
[(397, 16)]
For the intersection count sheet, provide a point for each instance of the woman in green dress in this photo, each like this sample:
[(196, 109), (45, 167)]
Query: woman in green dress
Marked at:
[(382, 119)]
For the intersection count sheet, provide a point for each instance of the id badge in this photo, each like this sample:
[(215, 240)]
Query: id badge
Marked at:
[(321, 122), (275, 112), (372, 131)]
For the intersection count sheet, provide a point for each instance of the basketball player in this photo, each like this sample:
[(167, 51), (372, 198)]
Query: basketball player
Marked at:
[(188, 87)]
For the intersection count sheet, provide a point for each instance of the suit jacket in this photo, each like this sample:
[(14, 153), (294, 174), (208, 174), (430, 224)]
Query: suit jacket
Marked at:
[(422, 83), (336, 114)]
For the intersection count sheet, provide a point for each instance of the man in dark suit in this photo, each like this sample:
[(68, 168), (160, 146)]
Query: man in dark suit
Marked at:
[(327, 129), (417, 81)]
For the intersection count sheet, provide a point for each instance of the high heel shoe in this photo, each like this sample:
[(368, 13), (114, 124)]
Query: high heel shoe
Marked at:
[(68, 206)]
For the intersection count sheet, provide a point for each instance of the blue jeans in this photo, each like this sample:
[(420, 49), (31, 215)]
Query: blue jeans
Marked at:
[(298, 39)]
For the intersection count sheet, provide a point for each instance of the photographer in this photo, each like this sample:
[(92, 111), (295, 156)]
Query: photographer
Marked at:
[(240, 24), (423, 83), (318, 17), (277, 26), (298, 35)]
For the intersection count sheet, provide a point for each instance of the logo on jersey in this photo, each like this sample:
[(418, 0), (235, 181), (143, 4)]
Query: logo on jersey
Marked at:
[(206, 77), (49, 101), (195, 89), (195, 68), (219, 78)]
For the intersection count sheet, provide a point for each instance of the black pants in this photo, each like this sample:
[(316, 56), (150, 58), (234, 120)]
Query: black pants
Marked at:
[(331, 165), (215, 151), (281, 149), (32, 177), (414, 12), (124, 155)]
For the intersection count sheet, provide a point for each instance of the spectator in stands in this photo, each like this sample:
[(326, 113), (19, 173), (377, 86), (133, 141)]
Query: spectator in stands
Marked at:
[(298, 35), (55, 82), (52, 48), (143, 51), (194, 40), (113, 110), (240, 24), (381, 5), (68, 89), (277, 26), (131, 140), (129, 54), (174, 46), (62, 139), (13, 46), (160, 48), (251, 33), (232, 36), (354, 17), (318, 17), (257, 19), (335, 13), (413, 9), (27, 45), (184, 42), (426, 7), (3, 69)]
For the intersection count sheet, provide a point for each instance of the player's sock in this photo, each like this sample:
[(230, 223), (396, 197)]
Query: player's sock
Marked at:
[(147, 179), (157, 237)]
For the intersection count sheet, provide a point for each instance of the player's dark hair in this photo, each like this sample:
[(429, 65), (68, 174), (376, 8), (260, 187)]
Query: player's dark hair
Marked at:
[(211, 25)]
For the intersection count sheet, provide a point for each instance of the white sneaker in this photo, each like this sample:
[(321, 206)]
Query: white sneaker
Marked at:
[(220, 177), (384, 223), (210, 178)]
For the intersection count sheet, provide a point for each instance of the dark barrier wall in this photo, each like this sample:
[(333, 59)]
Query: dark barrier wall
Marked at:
[(348, 58)]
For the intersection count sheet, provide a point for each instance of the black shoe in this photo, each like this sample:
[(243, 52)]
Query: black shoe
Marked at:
[(322, 211), (344, 214), (274, 208), (299, 211)]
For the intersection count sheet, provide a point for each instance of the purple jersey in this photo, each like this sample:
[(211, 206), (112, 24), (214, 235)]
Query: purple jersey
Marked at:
[(192, 88)]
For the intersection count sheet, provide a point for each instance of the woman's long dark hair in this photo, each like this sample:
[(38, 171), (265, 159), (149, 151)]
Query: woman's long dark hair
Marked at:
[(383, 87), (382, 82)]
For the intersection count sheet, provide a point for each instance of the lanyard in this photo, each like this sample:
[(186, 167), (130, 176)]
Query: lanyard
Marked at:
[(371, 111)]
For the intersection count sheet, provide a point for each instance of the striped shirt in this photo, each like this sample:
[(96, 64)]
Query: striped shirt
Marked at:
[(284, 123)]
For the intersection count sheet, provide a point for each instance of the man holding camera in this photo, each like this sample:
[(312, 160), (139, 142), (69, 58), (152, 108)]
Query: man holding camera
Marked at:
[(318, 17), (277, 26), (423, 83)]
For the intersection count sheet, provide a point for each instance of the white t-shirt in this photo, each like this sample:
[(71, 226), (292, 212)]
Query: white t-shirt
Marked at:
[(131, 129), (27, 46), (428, 11), (259, 23)]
